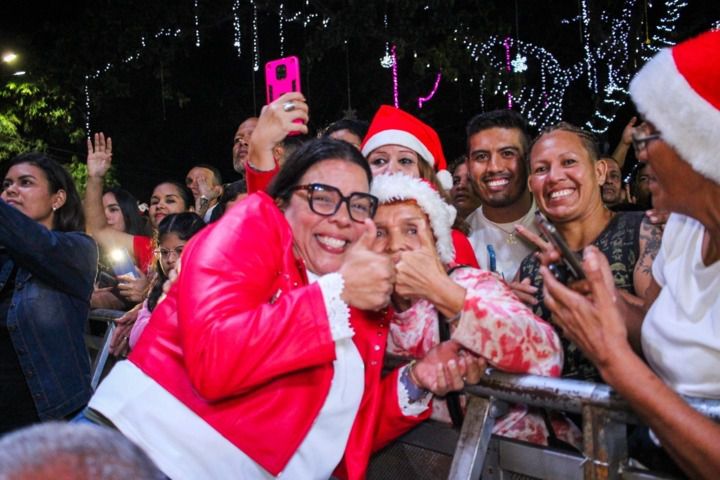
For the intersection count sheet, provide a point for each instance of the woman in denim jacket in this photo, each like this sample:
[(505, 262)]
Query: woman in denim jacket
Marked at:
[(47, 268)]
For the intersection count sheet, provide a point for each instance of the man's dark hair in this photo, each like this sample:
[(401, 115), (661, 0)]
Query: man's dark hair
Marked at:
[(500, 119), (217, 176), (309, 154), (69, 217), (358, 127)]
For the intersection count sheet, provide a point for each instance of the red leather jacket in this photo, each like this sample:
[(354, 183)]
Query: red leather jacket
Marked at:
[(245, 343)]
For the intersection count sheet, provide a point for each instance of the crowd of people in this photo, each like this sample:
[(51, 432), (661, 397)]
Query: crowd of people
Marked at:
[(272, 303)]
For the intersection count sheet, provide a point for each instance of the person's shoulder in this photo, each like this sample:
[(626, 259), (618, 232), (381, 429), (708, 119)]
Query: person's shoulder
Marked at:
[(80, 238)]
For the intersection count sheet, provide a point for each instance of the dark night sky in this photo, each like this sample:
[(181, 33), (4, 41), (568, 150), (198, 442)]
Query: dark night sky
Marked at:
[(208, 90)]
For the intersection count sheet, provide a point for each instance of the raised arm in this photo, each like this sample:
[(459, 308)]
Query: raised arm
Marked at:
[(274, 124), (623, 146), (99, 161), (496, 325), (650, 236), (595, 324), (65, 260)]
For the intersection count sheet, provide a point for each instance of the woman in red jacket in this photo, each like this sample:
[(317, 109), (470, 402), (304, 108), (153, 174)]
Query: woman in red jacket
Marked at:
[(265, 357)]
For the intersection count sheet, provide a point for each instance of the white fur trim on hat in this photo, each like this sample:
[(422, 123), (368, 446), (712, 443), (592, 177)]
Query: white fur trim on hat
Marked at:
[(398, 137), (685, 120), (398, 187)]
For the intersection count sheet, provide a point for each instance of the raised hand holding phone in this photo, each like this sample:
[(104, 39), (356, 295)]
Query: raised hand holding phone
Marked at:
[(283, 76), (569, 268)]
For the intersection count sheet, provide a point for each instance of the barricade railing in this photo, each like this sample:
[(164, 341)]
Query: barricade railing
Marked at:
[(101, 346), (479, 454)]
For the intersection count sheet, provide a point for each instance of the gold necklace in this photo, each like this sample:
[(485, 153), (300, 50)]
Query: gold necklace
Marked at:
[(511, 239)]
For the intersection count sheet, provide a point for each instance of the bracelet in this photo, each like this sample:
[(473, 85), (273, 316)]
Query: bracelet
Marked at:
[(411, 373), (414, 391)]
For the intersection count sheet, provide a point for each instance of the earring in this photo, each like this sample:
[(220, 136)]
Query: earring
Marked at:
[(54, 208)]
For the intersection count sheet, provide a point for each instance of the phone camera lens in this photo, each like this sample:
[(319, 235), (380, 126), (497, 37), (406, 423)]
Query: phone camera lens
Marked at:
[(281, 72)]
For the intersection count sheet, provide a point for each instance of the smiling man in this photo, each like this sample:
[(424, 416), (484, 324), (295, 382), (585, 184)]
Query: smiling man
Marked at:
[(497, 147)]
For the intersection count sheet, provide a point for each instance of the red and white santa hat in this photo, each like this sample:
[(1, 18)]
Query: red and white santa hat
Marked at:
[(678, 90), (396, 187), (392, 126)]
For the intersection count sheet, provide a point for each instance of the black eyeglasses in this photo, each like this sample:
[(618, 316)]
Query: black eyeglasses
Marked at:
[(326, 200), (640, 142), (167, 253)]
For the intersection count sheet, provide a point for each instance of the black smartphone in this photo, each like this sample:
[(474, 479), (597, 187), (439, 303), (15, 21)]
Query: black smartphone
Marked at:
[(570, 269), (106, 280)]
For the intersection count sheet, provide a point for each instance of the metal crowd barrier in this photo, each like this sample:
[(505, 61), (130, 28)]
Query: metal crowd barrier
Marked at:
[(475, 453), (99, 347)]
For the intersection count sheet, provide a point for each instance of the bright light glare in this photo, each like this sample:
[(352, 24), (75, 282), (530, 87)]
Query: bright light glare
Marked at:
[(117, 255), (19, 73), (9, 57)]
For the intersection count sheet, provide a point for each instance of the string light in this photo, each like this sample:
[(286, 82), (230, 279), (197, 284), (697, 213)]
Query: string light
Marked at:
[(256, 53), (430, 95), (236, 27), (87, 107), (387, 60), (507, 44), (281, 19), (197, 23), (396, 96)]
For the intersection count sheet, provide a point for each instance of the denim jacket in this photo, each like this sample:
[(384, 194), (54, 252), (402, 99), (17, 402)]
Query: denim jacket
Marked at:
[(49, 308)]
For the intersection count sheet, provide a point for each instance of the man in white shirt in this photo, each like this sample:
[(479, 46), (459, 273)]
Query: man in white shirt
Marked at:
[(497, 149)]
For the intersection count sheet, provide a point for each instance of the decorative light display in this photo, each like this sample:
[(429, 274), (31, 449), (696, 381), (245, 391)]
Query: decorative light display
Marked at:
[(519, 64), (236, 27), (162, 33), (605, 65), (386, 61), (430, 95), (281, 32), (197, 23), (396, 96), (256, 53)]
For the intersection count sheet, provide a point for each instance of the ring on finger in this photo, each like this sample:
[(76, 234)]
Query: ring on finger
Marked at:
[(288, 106)]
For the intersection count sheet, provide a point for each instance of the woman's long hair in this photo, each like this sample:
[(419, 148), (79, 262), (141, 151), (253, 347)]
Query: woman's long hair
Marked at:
[(184, 225), (69, 217)]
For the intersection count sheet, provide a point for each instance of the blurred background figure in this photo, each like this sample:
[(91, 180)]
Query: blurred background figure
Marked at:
[(240, 144), (464, 198), (72, 451)]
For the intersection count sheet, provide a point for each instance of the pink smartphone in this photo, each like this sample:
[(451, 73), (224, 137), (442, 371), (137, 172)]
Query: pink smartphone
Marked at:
[(282, 76)]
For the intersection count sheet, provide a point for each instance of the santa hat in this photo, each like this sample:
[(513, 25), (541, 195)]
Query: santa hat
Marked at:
[(392, 126), (400, 187), (678, 90)]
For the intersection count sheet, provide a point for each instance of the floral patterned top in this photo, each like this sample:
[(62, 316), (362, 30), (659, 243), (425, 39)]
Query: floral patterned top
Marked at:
[(496, 325)]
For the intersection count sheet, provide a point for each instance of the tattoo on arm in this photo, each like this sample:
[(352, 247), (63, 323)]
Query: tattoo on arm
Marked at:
[(650, 237)]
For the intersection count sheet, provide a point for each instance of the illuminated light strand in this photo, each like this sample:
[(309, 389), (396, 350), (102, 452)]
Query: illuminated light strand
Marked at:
[(605, 65), (591, 74), (422, 100), (386, 61), (197, 23), (281, 31), (507, 43), (237, 37), (396, 96), (256, 50), (87, 107)]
